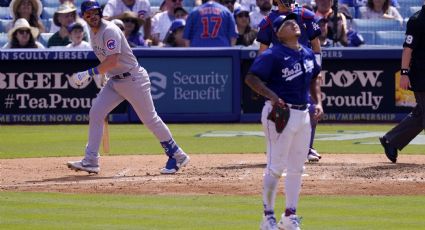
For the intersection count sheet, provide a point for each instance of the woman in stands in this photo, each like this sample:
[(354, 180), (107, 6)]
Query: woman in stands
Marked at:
[(132, 24), (381, 9), (28, 9), (22, 35), (174, 37), (246, 34)]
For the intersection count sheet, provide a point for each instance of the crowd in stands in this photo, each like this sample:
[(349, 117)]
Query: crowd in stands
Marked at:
[(180, 23)]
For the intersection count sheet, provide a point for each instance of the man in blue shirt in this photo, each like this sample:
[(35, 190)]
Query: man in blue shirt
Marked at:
[(310, 31), (210, 25), (285, 74)]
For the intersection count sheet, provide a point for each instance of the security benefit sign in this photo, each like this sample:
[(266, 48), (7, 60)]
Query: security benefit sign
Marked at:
[(191, 85), (358, 90), (43, 92)]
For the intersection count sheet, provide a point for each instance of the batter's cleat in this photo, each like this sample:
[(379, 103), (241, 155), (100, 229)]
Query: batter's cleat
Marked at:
[(313, 156), (291, 222), (268, 223), (390, 152), (179, 160), (79, 166)]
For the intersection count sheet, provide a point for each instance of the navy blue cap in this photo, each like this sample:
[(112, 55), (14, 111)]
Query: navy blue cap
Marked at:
[(177, 24), (75, 25), (278, 22), (89, 5)]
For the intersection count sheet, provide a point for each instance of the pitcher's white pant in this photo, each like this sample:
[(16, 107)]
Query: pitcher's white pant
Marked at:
[(286, 150), (136, 90)]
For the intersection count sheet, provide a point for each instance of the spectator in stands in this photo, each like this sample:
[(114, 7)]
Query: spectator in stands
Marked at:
[(132, 24), (28, 9), (381, 9), (336, 25), (65, 15), (262, 10), (204, 30), (76, 35), (246, 34), (174, 37), (22, 35), (161, 22), (323, 37), (230, 4), (180, 13), (115, 8), (54, 28)]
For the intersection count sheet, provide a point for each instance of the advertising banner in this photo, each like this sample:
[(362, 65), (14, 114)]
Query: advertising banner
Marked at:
[(35, 87), (358, 86)]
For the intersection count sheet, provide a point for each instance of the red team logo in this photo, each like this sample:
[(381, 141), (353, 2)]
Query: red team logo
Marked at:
[(111, 43)]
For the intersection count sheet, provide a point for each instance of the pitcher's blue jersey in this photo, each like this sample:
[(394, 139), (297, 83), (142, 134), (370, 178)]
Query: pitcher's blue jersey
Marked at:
[(210, 25), (306, 20), (287, 72)]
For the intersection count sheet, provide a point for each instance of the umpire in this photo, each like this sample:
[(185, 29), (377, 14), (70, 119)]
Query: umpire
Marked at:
[(412, 78)]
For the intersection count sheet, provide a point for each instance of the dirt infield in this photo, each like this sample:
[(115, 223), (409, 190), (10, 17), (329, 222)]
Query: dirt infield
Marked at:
[(240, 174)]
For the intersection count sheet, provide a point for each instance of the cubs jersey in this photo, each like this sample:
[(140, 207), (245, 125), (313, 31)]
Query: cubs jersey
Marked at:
[(306, 20), (210, 25), (287, 72), (109, 40)]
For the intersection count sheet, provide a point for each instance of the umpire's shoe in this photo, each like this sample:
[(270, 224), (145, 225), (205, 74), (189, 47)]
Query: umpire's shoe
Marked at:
[(81, 166), (390, 152), (174, 163)]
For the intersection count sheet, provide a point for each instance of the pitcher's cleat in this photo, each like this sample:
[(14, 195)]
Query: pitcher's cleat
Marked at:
[(79, 166), (313, 156)]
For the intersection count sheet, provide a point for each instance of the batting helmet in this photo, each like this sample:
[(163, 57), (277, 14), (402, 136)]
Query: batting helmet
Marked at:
[(90, 5)]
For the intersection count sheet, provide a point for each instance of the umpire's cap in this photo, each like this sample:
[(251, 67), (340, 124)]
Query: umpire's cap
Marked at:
[(90, 5), (278, 22)]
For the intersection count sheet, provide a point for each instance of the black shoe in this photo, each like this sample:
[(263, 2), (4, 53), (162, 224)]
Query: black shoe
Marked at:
[(390, 152)]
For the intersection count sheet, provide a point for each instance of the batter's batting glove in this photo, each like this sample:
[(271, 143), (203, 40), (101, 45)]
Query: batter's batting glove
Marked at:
[(280, 116), (80, 77)]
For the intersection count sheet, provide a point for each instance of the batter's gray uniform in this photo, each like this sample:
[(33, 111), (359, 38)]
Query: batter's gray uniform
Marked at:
[(128, 81)]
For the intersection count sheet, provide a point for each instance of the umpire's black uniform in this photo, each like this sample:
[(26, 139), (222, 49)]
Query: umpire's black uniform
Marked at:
[(414, 123)]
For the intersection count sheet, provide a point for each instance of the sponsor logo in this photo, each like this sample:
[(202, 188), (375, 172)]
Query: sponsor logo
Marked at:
[(367, 79)]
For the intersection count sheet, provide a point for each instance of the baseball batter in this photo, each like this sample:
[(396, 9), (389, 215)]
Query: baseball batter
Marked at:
[(127, 81), (284, 74), (310, 32)]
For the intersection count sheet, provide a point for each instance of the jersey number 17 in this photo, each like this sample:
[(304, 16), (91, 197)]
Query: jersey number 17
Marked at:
[(215, 22)]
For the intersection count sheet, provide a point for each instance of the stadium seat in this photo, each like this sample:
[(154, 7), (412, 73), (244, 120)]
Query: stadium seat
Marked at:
[(189, 3), (48, 12), (51, 3), (390, 38), (47, 23), (154, 9), (3, 25), (102, 2), (369, 37), (5, 13), (3, 39), (414, 9), (44, 38), (409, 3), (155, 2), (361, 25)]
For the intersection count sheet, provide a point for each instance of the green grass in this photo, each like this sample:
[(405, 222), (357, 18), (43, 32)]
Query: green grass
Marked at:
[(70, 140), (71, 211)]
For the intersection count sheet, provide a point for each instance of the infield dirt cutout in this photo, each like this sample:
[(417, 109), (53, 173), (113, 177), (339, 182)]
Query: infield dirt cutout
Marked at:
[(241, 174)]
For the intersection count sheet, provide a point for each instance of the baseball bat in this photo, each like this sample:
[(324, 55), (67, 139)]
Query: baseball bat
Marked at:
[(105, 136)]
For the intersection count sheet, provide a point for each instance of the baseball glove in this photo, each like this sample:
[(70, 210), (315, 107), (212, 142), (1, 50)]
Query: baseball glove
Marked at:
[(280, 116)]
